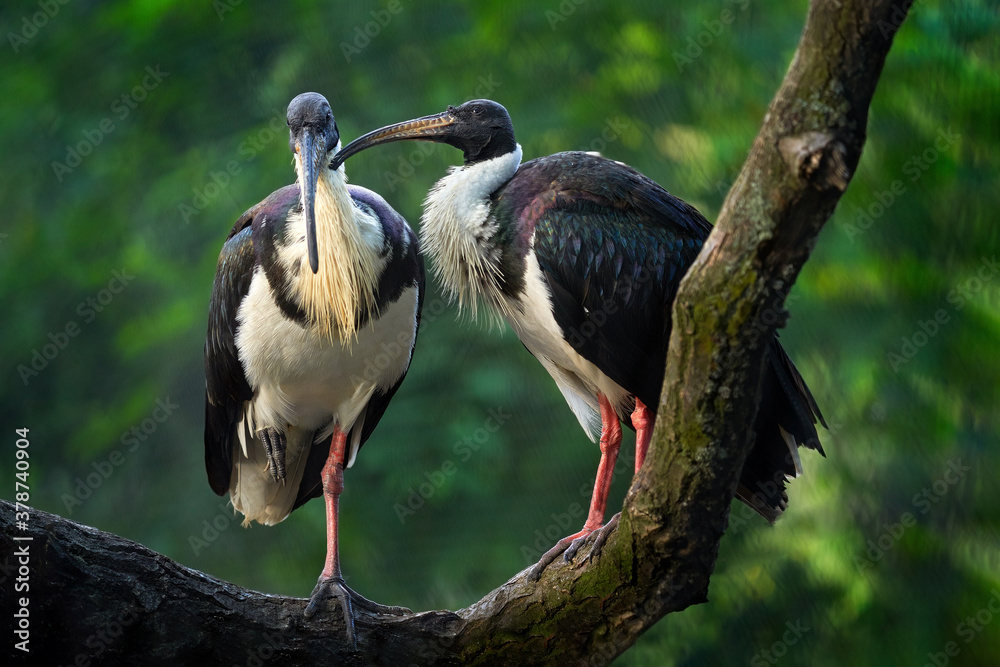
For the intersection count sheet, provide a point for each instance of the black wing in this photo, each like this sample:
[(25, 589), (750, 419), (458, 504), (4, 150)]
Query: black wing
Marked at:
[(226, 386), (613, 246)]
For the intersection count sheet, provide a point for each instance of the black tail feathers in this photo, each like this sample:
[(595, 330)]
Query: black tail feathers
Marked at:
[(786, 420)]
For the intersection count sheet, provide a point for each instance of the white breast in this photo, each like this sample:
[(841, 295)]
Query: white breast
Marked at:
[(302, 379), (579, 380), (457, 232)]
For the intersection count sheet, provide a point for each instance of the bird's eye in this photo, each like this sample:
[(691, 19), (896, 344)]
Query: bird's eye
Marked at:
[(477, 110)]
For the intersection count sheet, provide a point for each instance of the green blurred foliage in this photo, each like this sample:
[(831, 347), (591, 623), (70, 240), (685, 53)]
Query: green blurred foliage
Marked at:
[(890, 543)]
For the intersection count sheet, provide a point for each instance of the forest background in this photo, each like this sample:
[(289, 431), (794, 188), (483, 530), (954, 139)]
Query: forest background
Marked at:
[(135, 134)]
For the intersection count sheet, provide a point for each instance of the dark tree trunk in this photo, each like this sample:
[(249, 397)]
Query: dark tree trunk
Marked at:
[(97, 596)]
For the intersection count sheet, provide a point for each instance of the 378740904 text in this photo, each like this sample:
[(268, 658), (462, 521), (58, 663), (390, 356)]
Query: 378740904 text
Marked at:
[(22, 622)]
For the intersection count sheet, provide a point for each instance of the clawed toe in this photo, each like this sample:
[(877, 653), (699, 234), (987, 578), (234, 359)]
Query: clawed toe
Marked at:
[(374, 607), (535, 573), (568, 547), (275, 444), (602, 534), (575, 546), (334, 587)]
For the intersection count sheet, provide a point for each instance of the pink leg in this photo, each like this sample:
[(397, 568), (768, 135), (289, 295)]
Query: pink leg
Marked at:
[(642, 419), (611, 440), (331, 581), (333, 485)]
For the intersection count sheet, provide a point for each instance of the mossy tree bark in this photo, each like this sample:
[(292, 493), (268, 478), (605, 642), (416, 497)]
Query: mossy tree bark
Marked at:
[(95, 596)]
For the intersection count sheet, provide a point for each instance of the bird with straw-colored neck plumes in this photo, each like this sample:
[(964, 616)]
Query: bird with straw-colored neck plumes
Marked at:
[(312, 284)]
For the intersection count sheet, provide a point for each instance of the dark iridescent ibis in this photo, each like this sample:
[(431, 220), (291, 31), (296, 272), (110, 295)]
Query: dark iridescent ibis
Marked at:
[(583, 257), (313, 284)]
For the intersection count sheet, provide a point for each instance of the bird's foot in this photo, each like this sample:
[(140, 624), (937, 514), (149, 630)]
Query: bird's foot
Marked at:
[(334, 587), (561, 547), (569, 546), (275, 444), (602, 536)]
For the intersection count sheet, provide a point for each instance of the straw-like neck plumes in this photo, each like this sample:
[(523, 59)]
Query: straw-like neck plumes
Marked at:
[(342, 292)]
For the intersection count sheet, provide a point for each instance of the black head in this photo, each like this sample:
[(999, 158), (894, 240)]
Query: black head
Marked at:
[(311, 111), (313, 135), (481, 129)]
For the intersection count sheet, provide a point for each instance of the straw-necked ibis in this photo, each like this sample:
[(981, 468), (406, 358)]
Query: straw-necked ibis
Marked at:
[(313, 284), (583, 256)]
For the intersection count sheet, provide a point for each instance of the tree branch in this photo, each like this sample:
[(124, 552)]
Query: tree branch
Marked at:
[(97, 595)]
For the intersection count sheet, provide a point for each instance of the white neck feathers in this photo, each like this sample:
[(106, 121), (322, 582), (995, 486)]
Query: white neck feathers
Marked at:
[(458, 231), (344, 287)]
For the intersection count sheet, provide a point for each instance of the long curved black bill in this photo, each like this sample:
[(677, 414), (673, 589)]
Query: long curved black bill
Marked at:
[(310, 175), (428, 128)]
